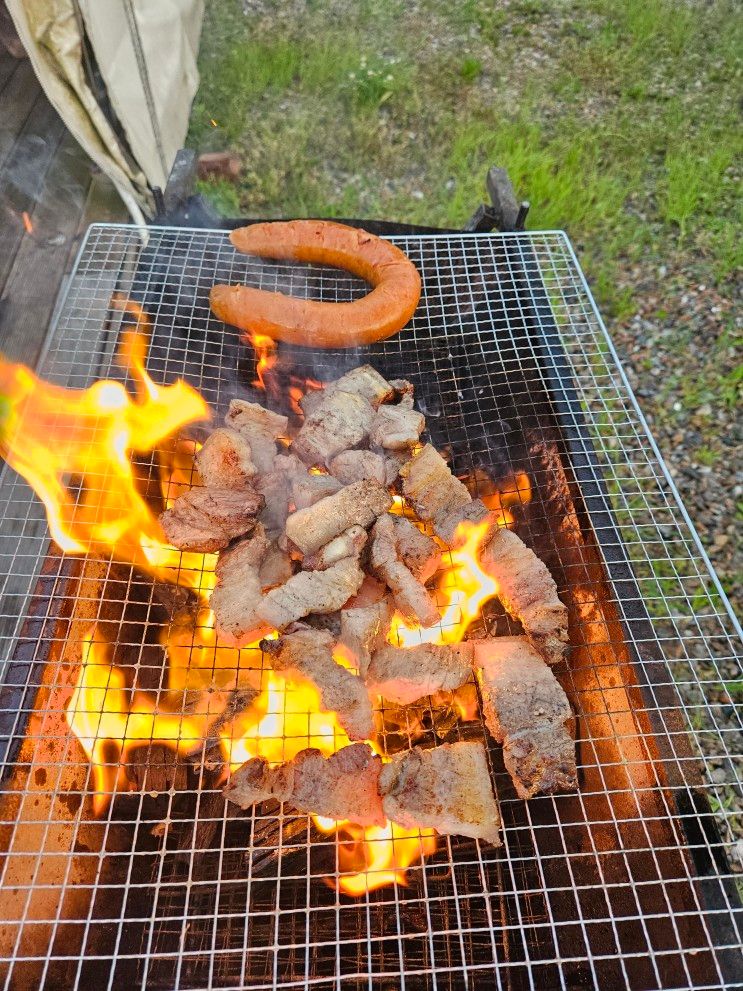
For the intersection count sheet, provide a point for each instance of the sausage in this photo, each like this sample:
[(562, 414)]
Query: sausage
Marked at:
[(379, 314)]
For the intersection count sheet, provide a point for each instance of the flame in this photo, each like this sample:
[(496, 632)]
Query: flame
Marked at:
[(271, 383), (27, 222)]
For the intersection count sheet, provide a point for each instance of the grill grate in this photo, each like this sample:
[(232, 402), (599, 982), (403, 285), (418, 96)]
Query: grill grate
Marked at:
[(629, 883)]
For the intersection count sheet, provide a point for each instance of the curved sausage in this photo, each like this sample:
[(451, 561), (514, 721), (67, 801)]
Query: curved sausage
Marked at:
[(379, 314)]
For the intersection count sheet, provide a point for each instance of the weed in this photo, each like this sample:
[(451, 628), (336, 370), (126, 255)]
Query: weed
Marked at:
[(470, 69)]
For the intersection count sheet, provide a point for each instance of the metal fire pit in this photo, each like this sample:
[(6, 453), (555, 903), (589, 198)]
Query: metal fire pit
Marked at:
[(628, 883)]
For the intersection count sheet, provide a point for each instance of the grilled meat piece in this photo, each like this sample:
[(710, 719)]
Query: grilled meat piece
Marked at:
[(342, 786), (527, 711), (276, 567), (405, 674), (276, 488), (206, 520), (355, 466), (261, 428), (448, 788), (363, 630), (311, 592), (350, 543), (397, 427), (308, 489), (224, 462), (420, 553), (471, 512), (308, 654), (528, 592), (431, 488), (238, 592), (411, 596), (340, 421), (364, 381), (361, 503)]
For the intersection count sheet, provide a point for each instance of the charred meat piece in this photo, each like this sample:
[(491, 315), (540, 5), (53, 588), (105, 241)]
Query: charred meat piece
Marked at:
[(448, 788), (261, 428), (224, 462), (420, 553), (361, 503), (340, 421), (431, 488), (350, 543), (356, 466), (342, 786), (308, 489), (238, 592), (308, 654), (411, 596), (527, 711), (311, 592), (397, 427), (363, 630), (405, 674), (528, 592), (207, 520)]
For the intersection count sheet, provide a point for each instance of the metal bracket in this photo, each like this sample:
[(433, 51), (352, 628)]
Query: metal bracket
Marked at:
[(505, 214)]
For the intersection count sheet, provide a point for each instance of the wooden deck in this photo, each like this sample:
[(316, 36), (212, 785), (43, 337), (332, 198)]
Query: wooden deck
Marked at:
[(50, 192)]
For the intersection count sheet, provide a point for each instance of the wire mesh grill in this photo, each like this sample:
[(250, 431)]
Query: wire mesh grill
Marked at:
[(633, 882)]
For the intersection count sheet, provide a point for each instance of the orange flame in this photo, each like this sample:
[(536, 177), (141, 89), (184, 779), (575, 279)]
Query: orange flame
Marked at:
[(27, 222)]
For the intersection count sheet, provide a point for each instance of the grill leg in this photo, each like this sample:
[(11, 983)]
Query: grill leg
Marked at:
[(504, 213)]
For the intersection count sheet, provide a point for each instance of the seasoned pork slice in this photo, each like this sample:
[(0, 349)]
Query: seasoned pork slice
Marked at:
[(405, 674), (528, 591), (411, 596), (238, 592), (355, 466), (207, 519), (260, 427), (431, 488), (420, 553), (361, 503), (448, 788), (350, 543), (397, 427), (311, 591), (340, 421), (364, 630), (308, 654), (307, 489), (527, 711), (342, 786), (224, 461)]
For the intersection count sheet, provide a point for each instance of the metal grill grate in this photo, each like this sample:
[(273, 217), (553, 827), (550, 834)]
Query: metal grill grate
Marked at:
[(633, 882)]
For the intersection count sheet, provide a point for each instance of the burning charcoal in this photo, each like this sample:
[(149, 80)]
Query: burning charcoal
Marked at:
[(350, 543), (311, 592), (527, 711), (341, 420), (342, 786), (448, 788), (224, 460), (276, 567), (473, 512), (207, 520), (308, 654), (528, 592), (308, 489), (238, 593), (397, 427), (361, 503), (411, 597), (363, 630), (356, 466), (405, 674), (154, 768), (261, 428), (431, 488), (420, 553)]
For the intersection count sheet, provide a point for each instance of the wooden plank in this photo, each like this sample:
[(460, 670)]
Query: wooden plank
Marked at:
[(17, 99)]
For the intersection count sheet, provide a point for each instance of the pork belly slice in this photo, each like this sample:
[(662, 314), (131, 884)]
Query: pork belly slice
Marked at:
[(356, 466), (405, 674), (314, 526), (471, 512), (206, 519), (276, 567), (224, 461), (447, 788), (238, 592), (311, 592), (342, 786), (308, 489), (350, 543), (363, 381), (430, 487), (528, 592), (526, 710), (420, 553), (410, 595), (307, 654), (261, 428), (397, 427), (340, 421), (364, 630)]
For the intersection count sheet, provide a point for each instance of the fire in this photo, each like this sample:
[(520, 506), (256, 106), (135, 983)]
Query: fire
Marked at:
[(272, 383), (27, 223)]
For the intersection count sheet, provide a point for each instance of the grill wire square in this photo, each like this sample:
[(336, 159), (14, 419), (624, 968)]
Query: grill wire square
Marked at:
[(632, 882)]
